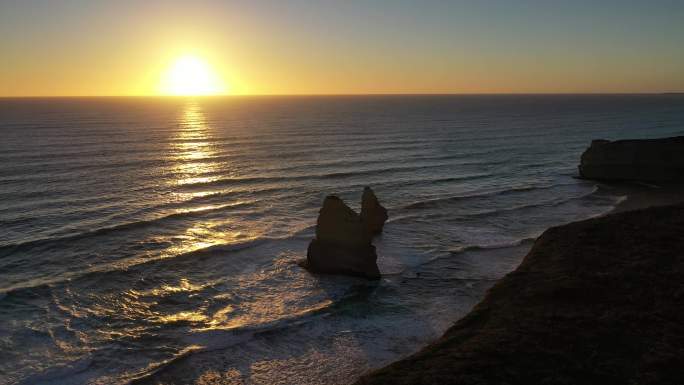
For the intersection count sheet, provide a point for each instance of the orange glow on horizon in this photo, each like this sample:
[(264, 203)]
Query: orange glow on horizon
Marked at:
[(321, 48)]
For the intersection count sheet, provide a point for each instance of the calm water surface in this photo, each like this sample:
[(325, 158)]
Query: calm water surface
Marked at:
[(154, 239)]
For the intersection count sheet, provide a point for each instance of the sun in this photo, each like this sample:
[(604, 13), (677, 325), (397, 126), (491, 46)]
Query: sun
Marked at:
[(190, 75)]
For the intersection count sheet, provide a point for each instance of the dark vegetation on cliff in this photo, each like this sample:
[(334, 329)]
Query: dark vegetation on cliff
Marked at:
[(594, 302)]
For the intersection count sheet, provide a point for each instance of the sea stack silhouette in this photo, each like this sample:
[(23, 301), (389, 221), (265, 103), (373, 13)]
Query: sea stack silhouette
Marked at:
[(343, 243), (373, 215)]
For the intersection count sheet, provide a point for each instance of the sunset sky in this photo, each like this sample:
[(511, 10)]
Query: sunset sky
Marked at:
[(58, 47)]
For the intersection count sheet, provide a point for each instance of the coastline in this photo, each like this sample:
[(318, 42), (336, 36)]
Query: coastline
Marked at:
[(490, 346), (641, 195)]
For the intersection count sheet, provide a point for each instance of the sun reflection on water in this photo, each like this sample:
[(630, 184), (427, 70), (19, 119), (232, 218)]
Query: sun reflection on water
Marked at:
[(201, 302), (191, 153), (192, 147)]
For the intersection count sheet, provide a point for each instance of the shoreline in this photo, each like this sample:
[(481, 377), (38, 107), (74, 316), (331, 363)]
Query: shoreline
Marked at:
[(451, 358), (642, 195)]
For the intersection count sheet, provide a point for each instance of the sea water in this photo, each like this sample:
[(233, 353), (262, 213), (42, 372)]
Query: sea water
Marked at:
[(155, 239)]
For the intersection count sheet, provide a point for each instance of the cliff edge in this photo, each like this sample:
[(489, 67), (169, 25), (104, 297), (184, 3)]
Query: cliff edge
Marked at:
[(599, 301)]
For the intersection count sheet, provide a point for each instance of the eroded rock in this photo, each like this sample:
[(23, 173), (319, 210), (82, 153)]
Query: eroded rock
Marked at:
[(343, 239), (373, 215), (337, 223)]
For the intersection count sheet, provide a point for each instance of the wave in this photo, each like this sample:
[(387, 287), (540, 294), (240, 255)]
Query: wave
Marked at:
[(322, 176), (344, 174), (365, 160), (196, 342), (209, 340), (120, 266), (27, 172), (439, 201), (137, 262), (6, 250), (550, 203), (157, 367), (77, 370), (594, 193), (26, 211), (21, 174), (503, 245)]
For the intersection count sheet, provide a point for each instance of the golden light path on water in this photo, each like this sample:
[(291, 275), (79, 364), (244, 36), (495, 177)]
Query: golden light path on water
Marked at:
[(204, 306), (192, 150), (190, 157), (192, 147)]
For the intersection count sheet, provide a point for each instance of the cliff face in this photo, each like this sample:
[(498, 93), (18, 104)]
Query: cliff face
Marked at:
[(649, 160), (594, 302)]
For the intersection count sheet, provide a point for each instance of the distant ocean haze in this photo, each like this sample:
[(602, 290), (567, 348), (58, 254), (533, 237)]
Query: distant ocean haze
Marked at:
[(135, 231)]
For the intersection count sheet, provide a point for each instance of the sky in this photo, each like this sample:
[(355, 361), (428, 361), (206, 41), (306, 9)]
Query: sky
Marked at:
[(98, 48)]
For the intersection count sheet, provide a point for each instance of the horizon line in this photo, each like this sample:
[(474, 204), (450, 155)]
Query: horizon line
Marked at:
[(341, 94)]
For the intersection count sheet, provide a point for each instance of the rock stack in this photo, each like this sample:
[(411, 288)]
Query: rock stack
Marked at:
[(343, 238), (373, 215)]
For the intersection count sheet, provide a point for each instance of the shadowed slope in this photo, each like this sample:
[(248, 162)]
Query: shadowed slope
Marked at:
[(594, 302)]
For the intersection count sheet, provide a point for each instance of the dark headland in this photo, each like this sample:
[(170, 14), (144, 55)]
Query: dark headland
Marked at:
[(599, 301)]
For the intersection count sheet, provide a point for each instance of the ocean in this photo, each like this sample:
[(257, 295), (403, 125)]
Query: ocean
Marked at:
[(154, 240)]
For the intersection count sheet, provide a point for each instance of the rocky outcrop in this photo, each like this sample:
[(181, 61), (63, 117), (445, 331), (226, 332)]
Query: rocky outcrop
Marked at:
[(647, 160), (373, 215), (343, 238), (338, 224), (594, 302)]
